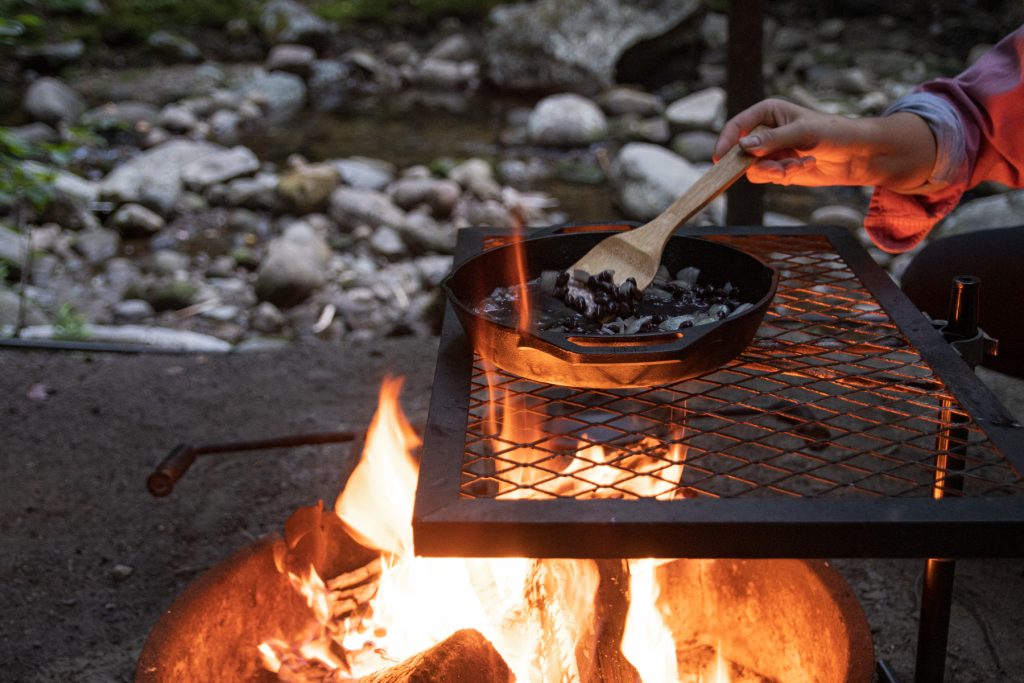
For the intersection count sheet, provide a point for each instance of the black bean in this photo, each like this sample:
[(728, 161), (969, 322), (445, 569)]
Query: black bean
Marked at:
[(562, 280), (606, 275)]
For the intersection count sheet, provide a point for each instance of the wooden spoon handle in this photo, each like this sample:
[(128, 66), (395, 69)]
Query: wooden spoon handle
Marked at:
[(716, 180)]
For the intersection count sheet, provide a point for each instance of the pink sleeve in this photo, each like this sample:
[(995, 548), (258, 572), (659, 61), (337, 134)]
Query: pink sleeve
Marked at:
[(988, 143)]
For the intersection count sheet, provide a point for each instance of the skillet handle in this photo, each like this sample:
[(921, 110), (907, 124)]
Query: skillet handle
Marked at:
[(567, 228), (664, 346)]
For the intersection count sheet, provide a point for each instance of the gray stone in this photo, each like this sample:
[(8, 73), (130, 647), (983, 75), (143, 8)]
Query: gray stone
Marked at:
[(295, 266), (625, 100), (177, 119), (296, 59), (168, 262), (51, 101), (387, 242), (281, 95), (573, 44), (219, 166), (327, 84), (998, 211), (433, 269), (153, 178), (173, 47), (350, 207), (156, 337), (647, 178), (472, 174), (695, 146), (649, 130), (489, 212), (266, 318), (224, 126), (842, 216), (258, 192), (714, 29), (120, 274), (34, 133), (10, 307), (50, 57), (155, 137), (135, 220), (97, 245), (308, 187), (566, 120), (703, 110), (287, 21), (133, 310), (76, 188), (421, 234), (224, 313), (165, 293), (365, 174), (12, 248), (439, 195), (443, 74), (455, 48)]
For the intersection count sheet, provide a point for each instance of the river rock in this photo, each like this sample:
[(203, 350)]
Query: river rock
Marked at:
[(566, 120), (998, 211), (573, 44), (836, 214), (51, 101), (295, 266), (12, 248), (164, 293), (133, 310), (173, 47), (296, 59), (442, 74), (177, 119), (153, 178), (422, 234), (456, 48), (702, 110), (281, 95), (97, 245), (130, 115), (156, 337), (219, 166), (351, 207), (168, 262), (327, 84), (695, 146), (50, 57), (266, 318), (622, 100), (387, 242), (287, 21), (308, 187), (647, 178), (365, 174), (224, 126), (135, 220), (258, 192), (439, 195)]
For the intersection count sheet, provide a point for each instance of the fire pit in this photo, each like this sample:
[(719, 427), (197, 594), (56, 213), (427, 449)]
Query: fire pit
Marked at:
[(785, 620)]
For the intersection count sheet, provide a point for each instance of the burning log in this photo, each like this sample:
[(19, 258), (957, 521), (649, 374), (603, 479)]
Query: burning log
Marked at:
[(464, 657)]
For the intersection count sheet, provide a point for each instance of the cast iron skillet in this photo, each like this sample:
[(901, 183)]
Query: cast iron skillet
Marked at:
[(603, 361)]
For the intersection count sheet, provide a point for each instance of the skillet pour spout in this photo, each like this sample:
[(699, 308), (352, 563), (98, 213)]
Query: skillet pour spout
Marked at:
[(608, 361)]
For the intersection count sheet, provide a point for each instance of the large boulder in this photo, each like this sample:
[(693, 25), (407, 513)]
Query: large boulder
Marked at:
[(573, 44), (648, 178), (287, 21), (51, 101), (219, 166), (281, 95), (566, 120), (702, 110), (153, 178), (351, 207)]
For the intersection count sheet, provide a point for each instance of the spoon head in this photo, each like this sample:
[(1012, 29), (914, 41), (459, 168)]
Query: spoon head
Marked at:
[(622, 258)]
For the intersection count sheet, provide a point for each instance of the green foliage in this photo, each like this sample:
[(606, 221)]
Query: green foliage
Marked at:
[(70, 324), (22, 179), (400, 11), (131, 20)]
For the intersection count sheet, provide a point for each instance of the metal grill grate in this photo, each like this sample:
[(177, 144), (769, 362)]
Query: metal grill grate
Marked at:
[(833, 401)]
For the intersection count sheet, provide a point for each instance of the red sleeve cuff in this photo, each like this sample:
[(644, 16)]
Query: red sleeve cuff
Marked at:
[(898, 222)]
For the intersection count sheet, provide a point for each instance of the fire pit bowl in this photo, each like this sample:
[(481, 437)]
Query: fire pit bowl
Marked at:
[(787, 620)]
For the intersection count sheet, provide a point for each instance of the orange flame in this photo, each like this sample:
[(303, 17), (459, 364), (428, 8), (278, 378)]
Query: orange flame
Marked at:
[(519, 256), (536, 613)]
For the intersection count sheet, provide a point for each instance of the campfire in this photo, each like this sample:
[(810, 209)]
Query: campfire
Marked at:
[(451, 619)]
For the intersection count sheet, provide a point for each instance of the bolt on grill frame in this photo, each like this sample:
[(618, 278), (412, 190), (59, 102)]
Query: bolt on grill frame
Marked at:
[(832, 435)]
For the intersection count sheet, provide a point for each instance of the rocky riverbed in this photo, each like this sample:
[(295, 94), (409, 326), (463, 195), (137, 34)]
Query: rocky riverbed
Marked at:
[(226, 205)]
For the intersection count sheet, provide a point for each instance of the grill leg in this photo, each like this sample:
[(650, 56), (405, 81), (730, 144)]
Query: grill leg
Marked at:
[(933, 630)]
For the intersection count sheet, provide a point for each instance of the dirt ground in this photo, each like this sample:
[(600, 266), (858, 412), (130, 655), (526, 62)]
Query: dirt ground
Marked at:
[(89, 561)]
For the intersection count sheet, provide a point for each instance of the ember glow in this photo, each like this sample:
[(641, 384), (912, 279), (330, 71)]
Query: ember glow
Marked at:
[(538, 614)]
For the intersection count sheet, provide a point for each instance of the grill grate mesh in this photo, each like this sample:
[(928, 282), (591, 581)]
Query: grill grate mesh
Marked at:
[(830, 400)]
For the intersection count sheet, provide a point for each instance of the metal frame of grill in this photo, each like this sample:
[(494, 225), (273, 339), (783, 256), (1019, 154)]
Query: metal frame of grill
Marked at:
[(849, 428)]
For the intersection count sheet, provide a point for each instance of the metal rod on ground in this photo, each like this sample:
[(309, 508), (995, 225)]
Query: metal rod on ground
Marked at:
[(745, 87), (174, 466), (951, 453)]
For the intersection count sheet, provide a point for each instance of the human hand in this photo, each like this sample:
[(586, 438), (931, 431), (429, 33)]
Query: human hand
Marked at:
[(805, 147)]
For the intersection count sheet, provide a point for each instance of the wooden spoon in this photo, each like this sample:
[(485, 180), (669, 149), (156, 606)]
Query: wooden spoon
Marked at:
[(637, 253)]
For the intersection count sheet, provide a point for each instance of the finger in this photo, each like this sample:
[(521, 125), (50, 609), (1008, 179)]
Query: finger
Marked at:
[(784, 171), (788, 137), (762, 113)]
